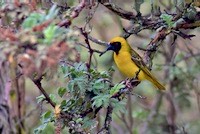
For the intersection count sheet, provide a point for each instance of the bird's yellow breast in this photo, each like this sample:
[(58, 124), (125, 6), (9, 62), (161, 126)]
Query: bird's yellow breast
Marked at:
[(126, 65)]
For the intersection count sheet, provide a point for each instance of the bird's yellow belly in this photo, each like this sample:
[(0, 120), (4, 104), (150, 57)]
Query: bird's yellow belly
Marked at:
[(127, 66)]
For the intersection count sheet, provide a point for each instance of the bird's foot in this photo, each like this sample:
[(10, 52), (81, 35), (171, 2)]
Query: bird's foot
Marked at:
[(128, 83), (131, 82)]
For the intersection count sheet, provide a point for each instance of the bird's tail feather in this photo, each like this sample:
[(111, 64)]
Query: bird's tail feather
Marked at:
[(155, 82)]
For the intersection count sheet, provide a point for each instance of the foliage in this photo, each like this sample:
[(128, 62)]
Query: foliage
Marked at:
[(168, 19), (86, 90)]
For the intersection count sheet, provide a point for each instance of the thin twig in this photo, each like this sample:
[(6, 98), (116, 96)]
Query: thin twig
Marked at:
[(75, 13), (119, 11), (37, 82), (152, 46), (97, 41), (107, 124), (85, 34), (94, 50)]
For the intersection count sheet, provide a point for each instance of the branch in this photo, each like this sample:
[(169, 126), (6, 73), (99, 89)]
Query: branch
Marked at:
[(152, 23), (119, 11), (37, 82), (189, 25), (153, 45), (97, 41), (84, 33), (75, 13), (107, 124), (135, 30), (94, 50)]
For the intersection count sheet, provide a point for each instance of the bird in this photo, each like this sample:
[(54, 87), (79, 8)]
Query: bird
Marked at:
[(129, 62)]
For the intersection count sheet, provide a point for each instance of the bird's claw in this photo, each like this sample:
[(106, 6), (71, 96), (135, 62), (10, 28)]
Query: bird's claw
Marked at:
[(128, 83)]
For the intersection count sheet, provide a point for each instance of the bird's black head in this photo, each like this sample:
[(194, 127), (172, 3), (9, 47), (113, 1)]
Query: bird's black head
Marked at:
[(115, 46)]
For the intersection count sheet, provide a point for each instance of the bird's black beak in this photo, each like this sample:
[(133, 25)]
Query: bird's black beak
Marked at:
[(110, 47)]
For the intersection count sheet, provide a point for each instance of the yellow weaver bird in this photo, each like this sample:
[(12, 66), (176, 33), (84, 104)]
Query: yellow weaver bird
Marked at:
[(129, 62)]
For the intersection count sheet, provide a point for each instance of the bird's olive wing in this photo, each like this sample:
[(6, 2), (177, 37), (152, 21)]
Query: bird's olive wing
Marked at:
[(137, 59), (139, 62)]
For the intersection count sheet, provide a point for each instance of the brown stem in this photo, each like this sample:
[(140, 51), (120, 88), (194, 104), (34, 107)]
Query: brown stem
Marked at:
[(85, 34), (97, 41), (108, 118), (37, 82), (94, 50), (75, 13), (107, 124), (152, 46), (119, 11), (65, 115)]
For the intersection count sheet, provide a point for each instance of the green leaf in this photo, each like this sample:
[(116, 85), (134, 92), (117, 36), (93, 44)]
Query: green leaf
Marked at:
[(70, 85), (168, 19), (118, 105), (50, 32), (69, 105), (63, 103), (45, 128), (53, 97), (39, 129), (33, 20), (104, 74), (111, 69), (64, 69), (116, 88), (88, 123), (79, 120), (101, 100), (98, 84), (40, 98), (37, 18), (62, 91), (81, 83), (47, 116)]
